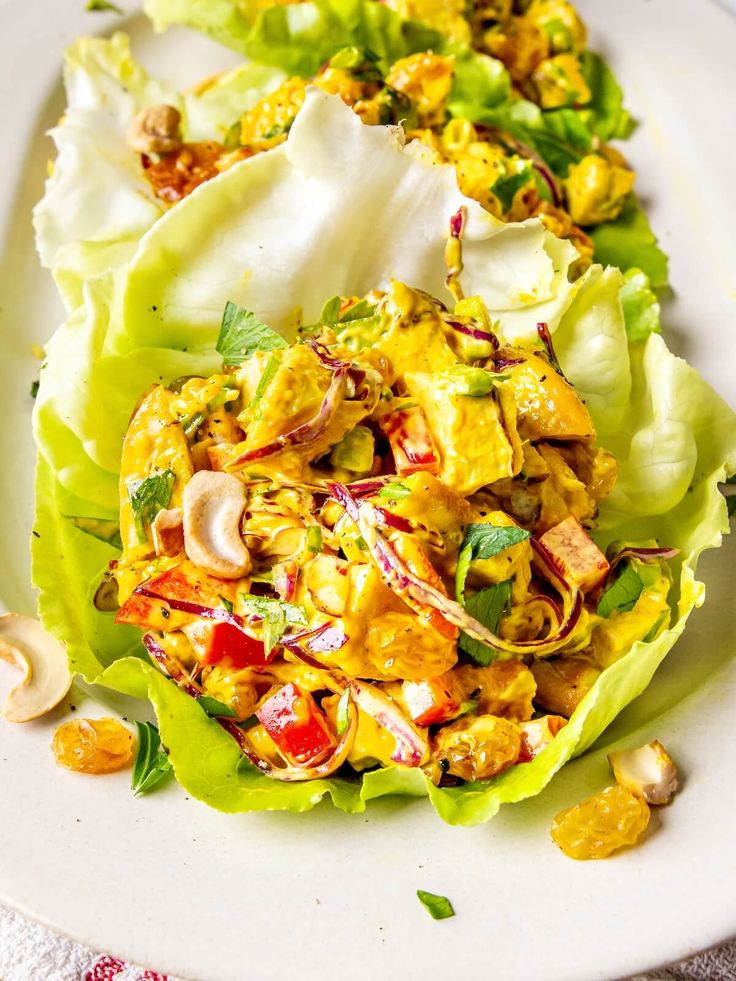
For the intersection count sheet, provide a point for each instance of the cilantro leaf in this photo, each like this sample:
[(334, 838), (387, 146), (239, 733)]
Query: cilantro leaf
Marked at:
[(487, 606), (242, 334), (148, 497), (483, 541), (152, 765), (623, 592), (213, 707), (506, 187), (438, 907), (276, 616)]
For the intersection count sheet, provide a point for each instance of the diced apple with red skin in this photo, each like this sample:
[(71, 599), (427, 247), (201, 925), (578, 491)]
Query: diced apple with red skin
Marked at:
[(175, 584), (226, 644), (411, 441), (432, 701), (537, 734), (575, 555), (328, 583), (299, 729)]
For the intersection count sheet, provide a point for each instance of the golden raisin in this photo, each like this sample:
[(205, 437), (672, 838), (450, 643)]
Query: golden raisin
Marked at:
[(601, 825), (93, 745), (477, 748)]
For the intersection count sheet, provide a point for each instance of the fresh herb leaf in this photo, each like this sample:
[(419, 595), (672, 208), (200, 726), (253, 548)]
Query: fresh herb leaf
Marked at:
[(98, 5), (35, 385), (438, 907), (314, 539), (226, 604), (242, 334), (232, 135), (276, 616), (152, 765), (99, 528), (148, 497), (623, 592), (483, 541), (280, 129), (395, 491), (214, 708), (506, 187), (272, 366), (342, 718), (487, 606)]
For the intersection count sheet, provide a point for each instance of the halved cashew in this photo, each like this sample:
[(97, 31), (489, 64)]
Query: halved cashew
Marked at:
[(155, 130), (24, 643), (213, 506), (647, 771), (168, 531)]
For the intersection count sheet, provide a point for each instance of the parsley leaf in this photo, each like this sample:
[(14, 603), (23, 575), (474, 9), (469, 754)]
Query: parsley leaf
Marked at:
[(622, 594), (483, 541), (213, 707), (438, 907), (152, 765), (486, 606), (506, 187), (242, 333), (148, 497)]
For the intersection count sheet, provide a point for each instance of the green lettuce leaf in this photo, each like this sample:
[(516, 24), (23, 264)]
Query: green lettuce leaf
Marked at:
[(674, 437), (97, 203), (629, 242), (298, 37), (640, 305)]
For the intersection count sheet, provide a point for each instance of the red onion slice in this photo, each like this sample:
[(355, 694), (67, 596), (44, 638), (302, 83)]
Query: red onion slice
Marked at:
[(173, 668), (647, 554), (412, 748), (308, 432), (195, 609), (475, 332)]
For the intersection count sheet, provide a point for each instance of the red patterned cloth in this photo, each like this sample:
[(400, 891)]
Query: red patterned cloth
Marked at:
[(106, 968)]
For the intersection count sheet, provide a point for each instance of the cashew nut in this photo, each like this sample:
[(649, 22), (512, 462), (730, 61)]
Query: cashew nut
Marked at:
[(647, 771), (168, 531), (155, 130), (43, 661), (213, 506)]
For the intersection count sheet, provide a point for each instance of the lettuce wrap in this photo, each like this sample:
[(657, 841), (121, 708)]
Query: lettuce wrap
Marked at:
[(342, 208), (300, 37)]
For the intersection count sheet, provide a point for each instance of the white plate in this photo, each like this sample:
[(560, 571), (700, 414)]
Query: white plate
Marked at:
[(165, 882)]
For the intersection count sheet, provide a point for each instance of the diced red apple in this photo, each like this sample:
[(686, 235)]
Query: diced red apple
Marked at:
[(574, 554), (143, 612), (295, 723), (432, 701), (224, 643), (537, 734), (411, 441)]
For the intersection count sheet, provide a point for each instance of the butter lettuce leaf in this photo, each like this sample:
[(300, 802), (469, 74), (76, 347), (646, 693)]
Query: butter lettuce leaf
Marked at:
[(97, 203), (297, 37)]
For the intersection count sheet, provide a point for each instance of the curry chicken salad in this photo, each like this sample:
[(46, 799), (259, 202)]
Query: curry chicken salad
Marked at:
[(509, 179), (372, 547)]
